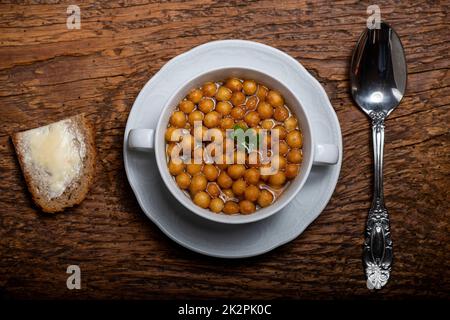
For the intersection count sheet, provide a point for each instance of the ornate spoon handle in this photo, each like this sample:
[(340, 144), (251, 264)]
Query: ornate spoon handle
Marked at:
[(377, 245)]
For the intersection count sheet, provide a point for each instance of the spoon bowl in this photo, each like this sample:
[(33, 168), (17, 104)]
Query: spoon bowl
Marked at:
[(378, 70)]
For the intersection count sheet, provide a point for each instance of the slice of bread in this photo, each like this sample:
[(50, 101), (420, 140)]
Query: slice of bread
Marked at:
[(58, 162)]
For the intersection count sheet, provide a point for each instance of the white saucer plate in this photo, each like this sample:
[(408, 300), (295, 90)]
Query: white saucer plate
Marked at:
[(204, 236)]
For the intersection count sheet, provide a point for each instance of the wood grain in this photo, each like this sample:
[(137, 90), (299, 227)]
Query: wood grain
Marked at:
[(48, 72)]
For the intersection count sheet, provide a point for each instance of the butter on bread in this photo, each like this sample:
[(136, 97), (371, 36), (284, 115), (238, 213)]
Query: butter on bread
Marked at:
[(58, 162)]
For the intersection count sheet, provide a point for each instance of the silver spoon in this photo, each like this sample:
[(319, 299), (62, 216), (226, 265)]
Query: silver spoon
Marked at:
[(378, 79)]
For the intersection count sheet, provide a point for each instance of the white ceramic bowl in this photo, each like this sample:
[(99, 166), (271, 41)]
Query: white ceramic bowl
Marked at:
[(153, 139)]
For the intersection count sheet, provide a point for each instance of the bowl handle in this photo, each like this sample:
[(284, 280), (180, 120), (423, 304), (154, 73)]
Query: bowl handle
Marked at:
[(141, 139), (325, 154)]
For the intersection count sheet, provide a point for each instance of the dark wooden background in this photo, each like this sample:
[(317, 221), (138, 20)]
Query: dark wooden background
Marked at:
[(48, 72)]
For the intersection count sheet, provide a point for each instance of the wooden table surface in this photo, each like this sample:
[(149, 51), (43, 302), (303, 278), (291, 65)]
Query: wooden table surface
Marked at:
[(48, 72)]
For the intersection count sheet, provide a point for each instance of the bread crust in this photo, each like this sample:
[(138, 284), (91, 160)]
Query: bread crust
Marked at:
[(76, 192)]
